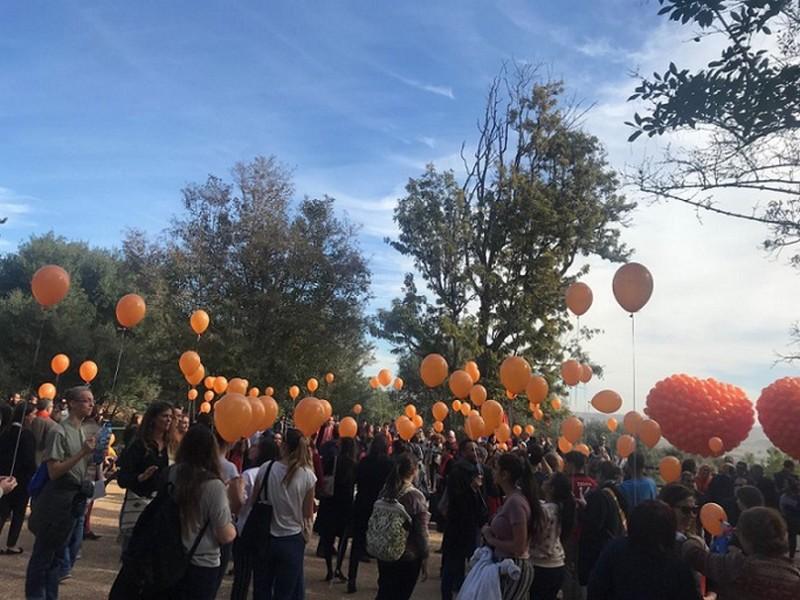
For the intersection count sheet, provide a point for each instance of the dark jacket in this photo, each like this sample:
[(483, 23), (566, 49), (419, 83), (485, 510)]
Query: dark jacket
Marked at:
[(467, 511), (371, 474), (134, 460), (600, 522), (25, 466), (336, 513)]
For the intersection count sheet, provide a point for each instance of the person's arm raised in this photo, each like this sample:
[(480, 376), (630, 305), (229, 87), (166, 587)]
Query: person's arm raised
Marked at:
[(59, 468)]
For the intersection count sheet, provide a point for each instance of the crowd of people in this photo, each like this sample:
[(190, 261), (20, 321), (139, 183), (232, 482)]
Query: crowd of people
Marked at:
[(528, 522)]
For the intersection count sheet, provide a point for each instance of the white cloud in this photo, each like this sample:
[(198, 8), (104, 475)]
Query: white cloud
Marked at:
[(439, 90)]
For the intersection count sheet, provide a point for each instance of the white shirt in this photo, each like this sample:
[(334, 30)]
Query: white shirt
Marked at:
[(287, 499), (249, 477)]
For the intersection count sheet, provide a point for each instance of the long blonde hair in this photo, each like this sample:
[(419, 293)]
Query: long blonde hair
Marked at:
[(297, 453)]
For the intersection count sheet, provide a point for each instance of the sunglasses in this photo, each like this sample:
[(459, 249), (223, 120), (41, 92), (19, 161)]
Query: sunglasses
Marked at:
[(689, 510)]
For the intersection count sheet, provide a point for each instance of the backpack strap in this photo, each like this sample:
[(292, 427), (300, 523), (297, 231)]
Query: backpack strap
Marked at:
[(197, 541), (263, 491)]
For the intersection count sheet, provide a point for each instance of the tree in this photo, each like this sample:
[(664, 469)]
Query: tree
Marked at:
[(497, 249), (746, 104)]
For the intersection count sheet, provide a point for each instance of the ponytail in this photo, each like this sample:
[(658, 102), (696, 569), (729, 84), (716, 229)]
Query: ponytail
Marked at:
[(521, 474), (403, 465), (562, 496), (297, 453)]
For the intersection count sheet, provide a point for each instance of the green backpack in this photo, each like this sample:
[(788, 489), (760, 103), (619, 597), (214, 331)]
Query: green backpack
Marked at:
[(387, 531)]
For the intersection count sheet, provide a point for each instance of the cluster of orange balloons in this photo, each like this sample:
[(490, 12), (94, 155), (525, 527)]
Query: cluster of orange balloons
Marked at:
[(384, 379), (310, 414), (779, 414), (237, 416)]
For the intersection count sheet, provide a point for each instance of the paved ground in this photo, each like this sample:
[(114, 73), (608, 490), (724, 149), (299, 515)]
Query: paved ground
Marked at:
[(98, 565)]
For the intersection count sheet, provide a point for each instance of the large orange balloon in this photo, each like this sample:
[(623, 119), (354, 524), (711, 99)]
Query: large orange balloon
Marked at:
[(88, 371), (477, 393), (471, 367), (328, 408), (583, 449), (579, 298), (410, 411), (777, 400), (633, 286), (564, 445), (294, 392), (357, 408), (191, 394), (348, 427), (515, 372), (572, 429), (49, 285), (405, 427), (649, 432), (440, 411), (607, 401), (398, 383), (586, 373), (384, 377), (199, 321), (59, 364), (503, 433), (631, 422), (312, 385), (259, 418), (205, 407), (270, 411), (626, 444), (492, 414), (189, 361), (537, 389), (330, 377), (47, 391), (571, 372), (196, 377), (208, 382), (715, 445), (670, 469), (131, 310), (433, 370), (237, 385), (713, 518), (220, 384), (208, 396), (309, 415), (474, 427), (460, 383), (374, 383), (612, 424), (232, 416)]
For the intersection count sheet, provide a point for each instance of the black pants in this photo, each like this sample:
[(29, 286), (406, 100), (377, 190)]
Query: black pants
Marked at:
[(358, 550), (225, 551), (792, 542), (243, 562), (14, 504), (396, 580), (454, 567), (546, 583), (199, 583)]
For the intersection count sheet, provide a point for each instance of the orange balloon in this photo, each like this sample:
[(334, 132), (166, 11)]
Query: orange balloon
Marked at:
[(571, 372), (536, 389), (509, 395), (471, 367), (196, 377), (59, 364), (417, 420), (607, 401), (492, 414), (130, 310), (555, 403), (586, 373), (189, 361), (374, 383), (410, 411), (220, 384), (232, 416), (465, 408), (348, 427), (474, 427), (294, 392), (405, 427), (456, 405), (330, 377), (670, 469), (715, 445), (631, 422), (633, 286), (205, 407), (538, 414), (572, 429), (208, 396), (398, 384), (612, 424), (460, 383), (254, 392), (309, 415), (433, 370), (649, 432), (357, 408), (477, 393), (328, 408), (583, 449), (529, 429), (199, 322), (438, 427), (191, 394), (515, 372), (259, 418), (516, 430), (385, 377), (713, 518), (50, 284), (88, 371), (564, 445), (312, 385), (47, 391), (626, 444), (440, 411), (208, 382), (237, 385), (270, 411), (270, 391), (578, 298), (503, 433)]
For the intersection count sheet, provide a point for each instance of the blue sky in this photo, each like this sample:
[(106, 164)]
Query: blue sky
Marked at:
[(108, 108)]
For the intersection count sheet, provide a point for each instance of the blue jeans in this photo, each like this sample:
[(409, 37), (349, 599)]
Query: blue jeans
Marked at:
[(73, 547), (44, 570), (282, 575)]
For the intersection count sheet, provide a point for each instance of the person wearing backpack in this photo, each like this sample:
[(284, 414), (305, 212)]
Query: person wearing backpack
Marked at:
[(398, 532), (290, 491)]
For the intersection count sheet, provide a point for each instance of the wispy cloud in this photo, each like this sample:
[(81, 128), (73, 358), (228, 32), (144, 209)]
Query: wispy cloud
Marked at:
[(439, 90), (602, 48)]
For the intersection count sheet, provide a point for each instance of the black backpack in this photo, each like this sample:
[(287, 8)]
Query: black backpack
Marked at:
[(155, 560), (255, 534)]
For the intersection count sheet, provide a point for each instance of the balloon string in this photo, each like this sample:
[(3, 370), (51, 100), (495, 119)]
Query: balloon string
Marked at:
[(633, 356), (119, 362)]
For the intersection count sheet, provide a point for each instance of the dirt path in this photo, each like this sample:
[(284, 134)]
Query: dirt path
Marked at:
[(98, 566)]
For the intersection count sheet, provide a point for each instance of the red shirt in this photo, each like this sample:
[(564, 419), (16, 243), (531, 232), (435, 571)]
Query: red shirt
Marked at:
[(582, 483)]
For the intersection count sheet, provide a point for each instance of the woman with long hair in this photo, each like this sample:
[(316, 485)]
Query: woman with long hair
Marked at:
[(143, 466), (547, 549), (396, 580), (290, 491), (175, 434), (512, 528), (17, 437)]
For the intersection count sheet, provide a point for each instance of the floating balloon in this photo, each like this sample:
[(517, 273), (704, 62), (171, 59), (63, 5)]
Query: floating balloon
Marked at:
[(626, 444), (583, 449), (578, 298), (670, 469), (440, 411), (312, 385), (374, 383), (564, 445), (538, 414), (205, 407), (269, 392), (405, 427), (492, 414), (503, 433), (571, 372), (474, 427), (237, 385), (259, 419), (607, 401), (572, 429), (208, 396), (510, 395), (254, 392), (232, 416), (357, 408), (59, 364), (632, 286), (208, 382), (385, 377), (516, 430), (691, 410), (631, 422), (529, 429), (130, 310), (348, 427), (220, 384), (191, 394), (477, 394), (713, 518), (330, 377), (47, 391), (586, 373), (50, 284), (537, 389), (515, 372), (779, 414), (199, 321), (398, 384), (196, 377), (270, 411), (471, 367), (309, 415), (438, 427), (433, 370), (328, 408), (611, 424), (294, 392), (417, 420), (460, 383), (188, 362), (410, 411), (88, 371), (465, 408), (649, 432), (715, 445), (555, 404)]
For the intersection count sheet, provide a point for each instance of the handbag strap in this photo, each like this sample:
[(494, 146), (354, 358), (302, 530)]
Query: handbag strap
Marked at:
[(197, 540), (265, 485)]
